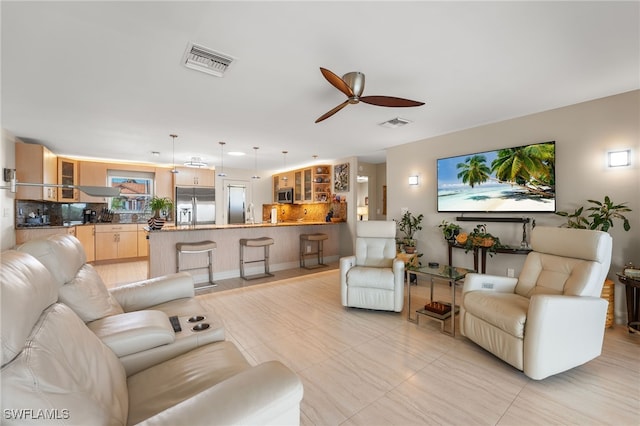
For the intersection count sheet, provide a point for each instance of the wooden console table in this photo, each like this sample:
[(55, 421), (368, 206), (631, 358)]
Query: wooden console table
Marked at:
[(633, 302), (480, 255)]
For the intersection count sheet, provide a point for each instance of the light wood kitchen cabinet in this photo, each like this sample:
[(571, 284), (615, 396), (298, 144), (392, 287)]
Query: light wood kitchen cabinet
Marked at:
[(87, 237), (28, 234), (164, 183), (36, 164), (302, 189), (143, 243), (68, 175), (116, 241), (190, 176), (91, 173)]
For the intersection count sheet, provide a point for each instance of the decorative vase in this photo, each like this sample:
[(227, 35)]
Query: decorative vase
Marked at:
[(155, 223)]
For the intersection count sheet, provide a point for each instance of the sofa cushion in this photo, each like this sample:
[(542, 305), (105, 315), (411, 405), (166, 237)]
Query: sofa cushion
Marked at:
[(506, 311), (87, 295), (27, 289), (61, 255), (65, 367), (171, 382), (361, 276)]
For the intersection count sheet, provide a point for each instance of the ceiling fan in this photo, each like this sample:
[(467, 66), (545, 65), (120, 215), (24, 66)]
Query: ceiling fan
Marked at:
[(352, 85)]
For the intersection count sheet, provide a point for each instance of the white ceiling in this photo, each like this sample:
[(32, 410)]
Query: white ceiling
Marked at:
[(105, 79)]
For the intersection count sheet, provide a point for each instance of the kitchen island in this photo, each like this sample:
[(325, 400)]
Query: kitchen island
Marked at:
[(283, 254)]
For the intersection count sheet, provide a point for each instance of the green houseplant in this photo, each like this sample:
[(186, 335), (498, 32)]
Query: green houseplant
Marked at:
[(599, 216), (408, 225), (159, 205), (449, 230)]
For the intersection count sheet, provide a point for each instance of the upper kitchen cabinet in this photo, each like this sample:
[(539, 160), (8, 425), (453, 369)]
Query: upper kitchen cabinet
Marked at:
[(190, 176), (302, 186), (92, 173), (68, 175), (36, 164), (164, 183)]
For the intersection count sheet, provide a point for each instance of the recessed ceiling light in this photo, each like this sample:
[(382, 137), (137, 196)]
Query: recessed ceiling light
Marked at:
[(236, 153), (155, 153)]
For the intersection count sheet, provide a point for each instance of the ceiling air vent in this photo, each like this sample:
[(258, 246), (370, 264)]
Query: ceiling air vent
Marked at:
[(203, 59), (395, 122)]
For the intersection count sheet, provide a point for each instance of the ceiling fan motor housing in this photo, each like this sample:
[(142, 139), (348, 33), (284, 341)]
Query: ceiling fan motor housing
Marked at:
[(355, 80)]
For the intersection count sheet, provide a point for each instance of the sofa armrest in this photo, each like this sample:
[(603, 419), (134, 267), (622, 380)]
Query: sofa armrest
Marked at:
[(154, 291), (496, 283), (269, 393), (133, 332), (562, 332)]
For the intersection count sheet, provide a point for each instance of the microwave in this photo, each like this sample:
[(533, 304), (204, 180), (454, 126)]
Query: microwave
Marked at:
[(285, 195)]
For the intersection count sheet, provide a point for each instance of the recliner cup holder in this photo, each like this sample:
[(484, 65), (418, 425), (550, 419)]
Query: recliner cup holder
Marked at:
[(201, 326), (196, 318)]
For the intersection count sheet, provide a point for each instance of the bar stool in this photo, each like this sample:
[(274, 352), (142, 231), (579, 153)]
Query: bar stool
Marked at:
[(194, 248), (319, 239), (263, 242)]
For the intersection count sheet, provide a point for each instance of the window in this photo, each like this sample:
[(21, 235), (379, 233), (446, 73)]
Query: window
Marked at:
[(136, 189)]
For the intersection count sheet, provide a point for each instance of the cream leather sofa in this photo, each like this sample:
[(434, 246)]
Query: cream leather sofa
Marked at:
[(55, 370), (551, 318), (133, 320), (373, 278)]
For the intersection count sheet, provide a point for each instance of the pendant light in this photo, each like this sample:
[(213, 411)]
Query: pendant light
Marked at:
[(285, 178), (222, 173), (255, 165), (173, 138)]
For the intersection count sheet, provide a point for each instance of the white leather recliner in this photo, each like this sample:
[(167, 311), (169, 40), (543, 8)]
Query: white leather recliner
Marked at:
[(373, 278), (551, 318)]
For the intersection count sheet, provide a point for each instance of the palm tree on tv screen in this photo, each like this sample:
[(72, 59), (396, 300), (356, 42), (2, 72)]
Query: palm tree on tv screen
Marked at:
[(474, 170), (530, 167)]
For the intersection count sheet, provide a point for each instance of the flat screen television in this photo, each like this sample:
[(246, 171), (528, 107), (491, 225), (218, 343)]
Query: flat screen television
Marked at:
[(515, 180)]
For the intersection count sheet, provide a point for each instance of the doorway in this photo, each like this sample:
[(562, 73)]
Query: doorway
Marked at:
[(362, 197)]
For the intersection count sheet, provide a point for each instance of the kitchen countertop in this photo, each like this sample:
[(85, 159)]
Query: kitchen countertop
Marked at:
[(170, 228)]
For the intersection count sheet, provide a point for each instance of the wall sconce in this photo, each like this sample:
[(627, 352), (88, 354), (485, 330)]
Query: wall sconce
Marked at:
[(619, 158), (413, 180)]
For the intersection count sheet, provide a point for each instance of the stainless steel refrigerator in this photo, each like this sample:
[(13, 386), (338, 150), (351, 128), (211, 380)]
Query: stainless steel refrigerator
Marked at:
[(195, 206)]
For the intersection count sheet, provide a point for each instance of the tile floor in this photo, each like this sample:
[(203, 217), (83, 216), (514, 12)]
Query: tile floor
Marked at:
[(362, 367)]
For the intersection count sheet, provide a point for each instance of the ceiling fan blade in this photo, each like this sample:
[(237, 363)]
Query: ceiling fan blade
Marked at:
[(389, 101), (333, 111), (337, 82)]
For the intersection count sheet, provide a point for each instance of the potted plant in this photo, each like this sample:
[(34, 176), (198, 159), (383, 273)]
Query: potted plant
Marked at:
[(449, 230), (600, 218), (408, 225), (159, 205), (479, 238)]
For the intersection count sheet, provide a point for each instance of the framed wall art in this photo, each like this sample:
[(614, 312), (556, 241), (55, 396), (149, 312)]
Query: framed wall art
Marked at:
[(341, 177)]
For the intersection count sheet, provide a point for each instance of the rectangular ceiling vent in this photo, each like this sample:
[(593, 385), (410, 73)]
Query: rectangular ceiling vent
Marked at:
[(203, 59), (395, 122)]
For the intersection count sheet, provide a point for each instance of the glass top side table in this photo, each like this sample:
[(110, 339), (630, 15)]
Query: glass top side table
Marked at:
[(449, 274)]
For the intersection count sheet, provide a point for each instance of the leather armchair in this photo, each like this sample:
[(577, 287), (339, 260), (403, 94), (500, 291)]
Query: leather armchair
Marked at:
[(55, 369), (551, 318), (373, 278)]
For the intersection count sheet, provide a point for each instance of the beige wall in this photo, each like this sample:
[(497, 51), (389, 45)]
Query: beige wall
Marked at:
[(7, 208), (583, 133)]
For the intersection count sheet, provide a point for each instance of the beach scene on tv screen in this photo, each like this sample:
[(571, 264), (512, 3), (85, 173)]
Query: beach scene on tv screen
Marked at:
[(519, 179)]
